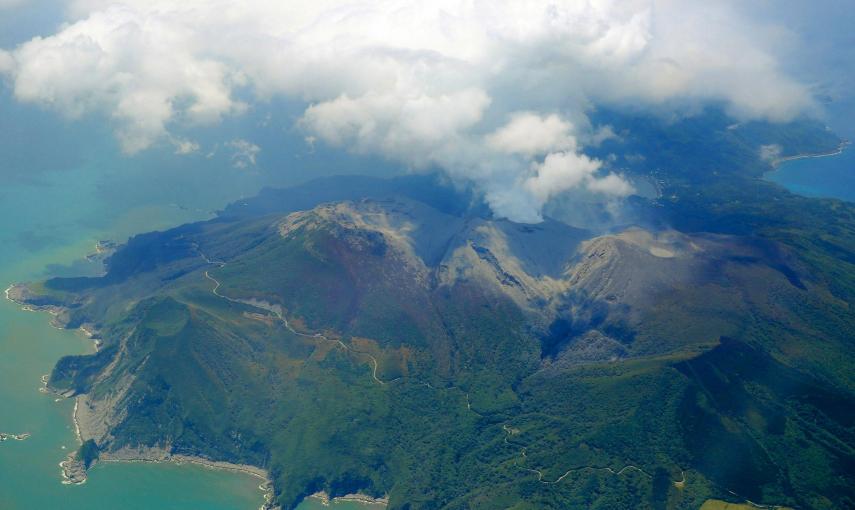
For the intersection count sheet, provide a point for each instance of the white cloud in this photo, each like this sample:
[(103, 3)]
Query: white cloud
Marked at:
[(417, 128), (7, 62), (530, 134), (559, 172), (184, 147), (137, 68), (562, 171), (611, 184), (494, 92), (245, 153)]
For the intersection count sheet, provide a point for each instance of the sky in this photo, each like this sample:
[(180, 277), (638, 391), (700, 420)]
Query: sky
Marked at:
[(495, 94)]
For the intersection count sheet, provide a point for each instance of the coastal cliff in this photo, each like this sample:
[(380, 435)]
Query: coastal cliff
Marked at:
[(400, 349)]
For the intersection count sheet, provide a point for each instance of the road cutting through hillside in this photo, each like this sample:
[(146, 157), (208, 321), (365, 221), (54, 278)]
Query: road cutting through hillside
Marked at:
[(275, 309), (540, 476)]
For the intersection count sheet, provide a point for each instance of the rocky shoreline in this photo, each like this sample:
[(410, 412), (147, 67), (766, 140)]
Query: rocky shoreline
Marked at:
[(358, 498), (73, 469), (5, 436), (158, 455), (103, 250), (21, 295)]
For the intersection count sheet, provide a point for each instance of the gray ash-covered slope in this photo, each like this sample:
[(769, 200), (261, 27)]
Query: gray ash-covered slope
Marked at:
[(390, 337)]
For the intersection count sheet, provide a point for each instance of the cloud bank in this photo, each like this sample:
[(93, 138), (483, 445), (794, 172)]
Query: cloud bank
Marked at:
[(492, 92)]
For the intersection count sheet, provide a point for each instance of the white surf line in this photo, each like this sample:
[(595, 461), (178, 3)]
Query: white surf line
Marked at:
[(24, 306), (76, 423), (836, 152)]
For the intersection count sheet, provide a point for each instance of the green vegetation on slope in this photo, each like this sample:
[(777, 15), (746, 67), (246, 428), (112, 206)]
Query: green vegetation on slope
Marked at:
[(88, 453), (737, 381)]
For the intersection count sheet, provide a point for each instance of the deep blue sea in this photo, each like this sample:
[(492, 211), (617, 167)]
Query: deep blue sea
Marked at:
[(826, 177)]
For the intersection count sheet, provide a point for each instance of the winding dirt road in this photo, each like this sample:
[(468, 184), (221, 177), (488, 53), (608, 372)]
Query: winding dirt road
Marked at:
[(276, 310)]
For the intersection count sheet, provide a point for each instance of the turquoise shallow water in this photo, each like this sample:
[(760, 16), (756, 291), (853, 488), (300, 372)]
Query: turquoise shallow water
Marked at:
[(56, 200), (50, 228)]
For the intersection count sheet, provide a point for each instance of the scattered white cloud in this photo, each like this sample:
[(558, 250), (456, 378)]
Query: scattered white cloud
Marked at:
[(184, 147), (244, 153), (493, 92)]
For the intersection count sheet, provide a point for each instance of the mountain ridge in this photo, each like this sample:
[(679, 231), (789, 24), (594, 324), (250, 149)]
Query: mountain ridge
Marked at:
[(449, 359)]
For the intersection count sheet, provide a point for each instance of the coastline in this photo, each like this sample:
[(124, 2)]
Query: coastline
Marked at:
[(156, 455), (159, 455), (777, 162), (76, 421), (73, 470), (5, 436), (357, 498), (75, 473), (18, 294)]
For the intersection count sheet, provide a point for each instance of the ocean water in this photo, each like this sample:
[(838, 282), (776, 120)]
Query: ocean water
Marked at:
[(831, 176), (47, 229), (63, 187), (826, 177)]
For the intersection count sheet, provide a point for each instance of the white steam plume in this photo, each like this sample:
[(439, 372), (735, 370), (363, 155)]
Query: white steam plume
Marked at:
[(491, 91)]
